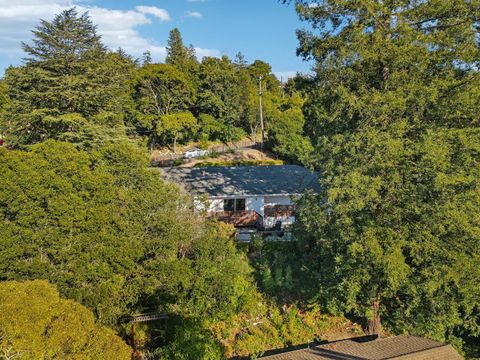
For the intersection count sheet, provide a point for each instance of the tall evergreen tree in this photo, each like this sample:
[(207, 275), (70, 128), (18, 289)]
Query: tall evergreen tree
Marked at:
[(65, 40), (147, 58), (240, 61), (393, 114), (176, 50), (192, 53), (178, 54), (71, 87)]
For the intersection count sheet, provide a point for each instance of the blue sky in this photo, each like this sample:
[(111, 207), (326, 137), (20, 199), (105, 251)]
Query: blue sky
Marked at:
[(260, 29)]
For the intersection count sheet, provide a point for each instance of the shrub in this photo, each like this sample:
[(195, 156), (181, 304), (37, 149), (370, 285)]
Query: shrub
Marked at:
[(177, 162), (37, 324), (203, 141)]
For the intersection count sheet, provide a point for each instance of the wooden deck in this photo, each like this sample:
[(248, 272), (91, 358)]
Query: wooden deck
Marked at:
[(279, 210), (240, 218)]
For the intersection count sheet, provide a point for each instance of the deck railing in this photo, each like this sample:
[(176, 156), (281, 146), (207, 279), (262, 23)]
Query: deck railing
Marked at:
[(240, 218), (276, 211)]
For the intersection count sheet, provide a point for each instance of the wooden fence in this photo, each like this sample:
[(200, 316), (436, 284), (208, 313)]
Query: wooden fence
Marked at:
[(148, 317), (221, 148)]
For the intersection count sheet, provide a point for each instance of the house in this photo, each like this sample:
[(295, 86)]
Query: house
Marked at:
[(249, 197), (403, 347)]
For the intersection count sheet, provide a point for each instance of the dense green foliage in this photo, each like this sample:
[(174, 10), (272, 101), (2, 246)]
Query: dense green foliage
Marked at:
[(159, 90), (280, 271), (83, 222), (71, 88), (79, 207), (37, 324), (286, 135), (393, 116), (111, 235), (278, 328), (179, 55), (4, 99), (108, 231)]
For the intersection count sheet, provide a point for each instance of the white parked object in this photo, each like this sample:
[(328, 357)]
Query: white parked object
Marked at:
[(194, 153)]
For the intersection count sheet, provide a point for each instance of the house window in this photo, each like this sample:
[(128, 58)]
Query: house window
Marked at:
[(229, 205), (239, 204), (234, 205)]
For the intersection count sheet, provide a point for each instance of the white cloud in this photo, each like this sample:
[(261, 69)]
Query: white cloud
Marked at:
[(17, 18), (194, 14), (285, 75), (162, 14), (201, 53), (119, 28)]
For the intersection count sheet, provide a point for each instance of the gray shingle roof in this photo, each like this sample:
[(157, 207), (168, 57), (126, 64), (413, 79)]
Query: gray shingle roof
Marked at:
[(219, 181), (402, 347)]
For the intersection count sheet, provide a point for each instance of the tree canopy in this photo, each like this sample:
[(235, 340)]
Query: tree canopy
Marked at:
[(393, 115), (71, 88), (178, 125), (388, 118), (160, 90), (178, 54), (66, 39), (36, 323), (111, 235)]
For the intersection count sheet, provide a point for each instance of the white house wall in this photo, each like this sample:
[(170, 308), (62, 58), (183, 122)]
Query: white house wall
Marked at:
[(199, 205), (255, 203), (278, 200), (251, 203), (258, 204), (216, 205), (270, 222)]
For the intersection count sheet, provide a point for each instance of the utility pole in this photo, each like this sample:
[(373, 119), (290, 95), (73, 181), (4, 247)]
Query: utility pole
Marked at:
[(282, 87), (260, 93)]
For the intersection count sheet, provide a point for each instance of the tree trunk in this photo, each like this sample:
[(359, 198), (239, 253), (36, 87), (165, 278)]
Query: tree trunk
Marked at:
[(152, 144), (374, 326), (153, 135), (253, 133), (174, 144)]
